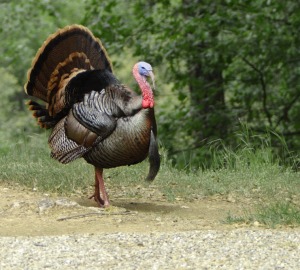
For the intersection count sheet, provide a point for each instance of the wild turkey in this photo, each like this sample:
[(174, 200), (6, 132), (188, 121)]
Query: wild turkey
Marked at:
[(92, 115)]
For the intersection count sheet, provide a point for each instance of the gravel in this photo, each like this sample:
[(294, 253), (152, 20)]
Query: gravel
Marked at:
[(207, 249)]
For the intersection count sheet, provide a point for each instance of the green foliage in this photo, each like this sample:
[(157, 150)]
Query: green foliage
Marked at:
[(14, 122), (25, 24), (28, 163), (280, 213), (226, 61), (252, 149)]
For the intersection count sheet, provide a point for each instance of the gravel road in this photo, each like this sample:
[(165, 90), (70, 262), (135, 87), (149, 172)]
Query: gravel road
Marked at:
[(207, 249)]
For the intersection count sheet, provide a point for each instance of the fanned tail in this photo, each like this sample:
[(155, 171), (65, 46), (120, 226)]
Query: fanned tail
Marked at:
[(65, 54)]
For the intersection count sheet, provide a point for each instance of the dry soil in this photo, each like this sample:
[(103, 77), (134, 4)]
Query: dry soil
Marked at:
[(24, 212)]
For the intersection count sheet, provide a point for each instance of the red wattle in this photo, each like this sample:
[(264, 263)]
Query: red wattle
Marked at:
[(148, 100), (145, 104)]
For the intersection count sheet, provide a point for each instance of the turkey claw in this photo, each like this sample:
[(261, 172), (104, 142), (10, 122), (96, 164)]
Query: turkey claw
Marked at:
[(98, 200)]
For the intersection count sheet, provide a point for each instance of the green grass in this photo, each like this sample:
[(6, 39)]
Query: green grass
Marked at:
[(232, 219), (279, 213), (247, 173), (28, 163), (271, 215)]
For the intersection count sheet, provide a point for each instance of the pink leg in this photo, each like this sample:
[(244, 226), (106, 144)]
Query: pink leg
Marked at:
[(100, 188)]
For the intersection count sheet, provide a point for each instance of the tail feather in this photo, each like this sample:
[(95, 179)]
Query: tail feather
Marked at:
[(64, 54), (154, 158), (41, 114), (34, 106)]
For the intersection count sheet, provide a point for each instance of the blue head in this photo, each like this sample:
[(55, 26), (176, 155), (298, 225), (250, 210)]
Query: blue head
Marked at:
[(145, 70)]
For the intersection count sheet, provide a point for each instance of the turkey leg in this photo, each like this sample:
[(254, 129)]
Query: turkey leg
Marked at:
[(100, 188)]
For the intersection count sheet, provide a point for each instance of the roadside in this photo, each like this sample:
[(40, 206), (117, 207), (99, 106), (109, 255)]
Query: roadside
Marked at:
[(41, 231), (29, 213)]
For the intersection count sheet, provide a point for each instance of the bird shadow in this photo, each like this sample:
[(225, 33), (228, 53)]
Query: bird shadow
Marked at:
[(147, 207), (134, 206)]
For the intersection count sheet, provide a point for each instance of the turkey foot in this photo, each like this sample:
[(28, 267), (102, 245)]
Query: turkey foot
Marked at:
[(100, 188)]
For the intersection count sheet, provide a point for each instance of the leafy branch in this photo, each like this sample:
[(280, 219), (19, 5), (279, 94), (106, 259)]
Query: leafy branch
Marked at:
[(286, 109), (264, 89)]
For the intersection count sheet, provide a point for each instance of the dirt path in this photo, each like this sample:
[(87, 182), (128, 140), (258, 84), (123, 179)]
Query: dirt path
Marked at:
[(29, 213), (149, 233)]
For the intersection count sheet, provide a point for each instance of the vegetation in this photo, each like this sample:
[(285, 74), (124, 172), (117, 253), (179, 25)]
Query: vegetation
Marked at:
[(248, 175), (228, 96), (228, 62)]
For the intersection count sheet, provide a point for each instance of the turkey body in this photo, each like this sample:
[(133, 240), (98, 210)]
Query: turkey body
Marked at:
[(91, 114), (127, 145), (106, 131)]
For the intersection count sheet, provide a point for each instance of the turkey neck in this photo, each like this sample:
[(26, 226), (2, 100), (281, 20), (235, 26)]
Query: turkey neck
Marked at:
[(148, 99)]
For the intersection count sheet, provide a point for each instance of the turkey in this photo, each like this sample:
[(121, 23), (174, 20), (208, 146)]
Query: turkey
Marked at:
[(92, 115)]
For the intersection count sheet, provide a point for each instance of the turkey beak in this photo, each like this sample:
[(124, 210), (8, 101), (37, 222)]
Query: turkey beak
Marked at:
[(152, 79)]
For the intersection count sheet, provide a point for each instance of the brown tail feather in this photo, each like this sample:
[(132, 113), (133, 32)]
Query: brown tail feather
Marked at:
[(41, 114), (71, 49)]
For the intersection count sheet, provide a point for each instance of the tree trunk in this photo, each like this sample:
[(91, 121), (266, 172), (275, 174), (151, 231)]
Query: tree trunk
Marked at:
[(207, 104), (206, 88)]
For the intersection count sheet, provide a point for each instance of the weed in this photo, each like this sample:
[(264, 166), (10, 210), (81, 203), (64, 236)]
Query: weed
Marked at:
[(279, 213), (249, 172)]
